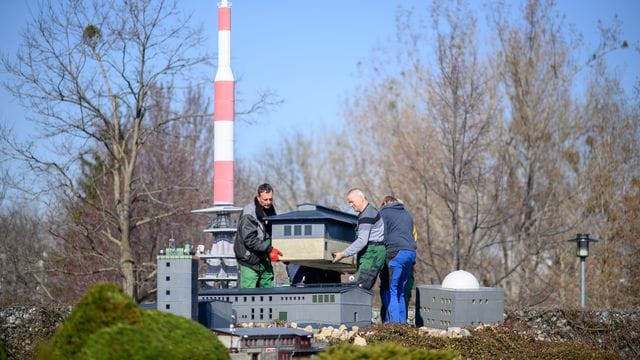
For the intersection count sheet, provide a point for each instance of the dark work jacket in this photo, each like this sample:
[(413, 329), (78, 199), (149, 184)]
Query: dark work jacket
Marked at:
[(398, 229), (252, 243)]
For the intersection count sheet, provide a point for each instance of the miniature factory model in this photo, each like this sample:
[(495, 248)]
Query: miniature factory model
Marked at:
[(314, 227), (458, 302)]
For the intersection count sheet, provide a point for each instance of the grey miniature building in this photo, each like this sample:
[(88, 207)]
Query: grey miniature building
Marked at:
[(215, 313), (316, 305), (267, 343), (441, 308), (177, 282), (309, 235)]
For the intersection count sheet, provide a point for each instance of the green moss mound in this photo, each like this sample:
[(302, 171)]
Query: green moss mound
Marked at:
[(162, 336), (104, 305), (384, 351), (106, 324)]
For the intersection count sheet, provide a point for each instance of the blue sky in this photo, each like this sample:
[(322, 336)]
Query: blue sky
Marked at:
[(307, 52)]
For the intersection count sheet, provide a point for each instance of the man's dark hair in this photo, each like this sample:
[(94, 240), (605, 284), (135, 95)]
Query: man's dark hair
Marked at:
[(264, 188), (388, 200)]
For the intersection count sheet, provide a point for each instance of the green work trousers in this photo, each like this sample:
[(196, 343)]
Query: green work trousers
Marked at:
[(370, 262), (250, 278)]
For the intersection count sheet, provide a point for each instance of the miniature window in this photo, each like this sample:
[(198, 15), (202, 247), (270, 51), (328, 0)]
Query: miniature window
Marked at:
[(326, 298), (314, 299), (320, 298), (269, 297), (168, 292), (297, 230), (168, 264), (333, 298), (307, 230), (168, 278), (167, 306), (287, 230)]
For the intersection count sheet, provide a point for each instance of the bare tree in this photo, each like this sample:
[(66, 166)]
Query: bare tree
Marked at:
[(608, 176), (422, 133), (302, 169), (23, 256), (86, 72)]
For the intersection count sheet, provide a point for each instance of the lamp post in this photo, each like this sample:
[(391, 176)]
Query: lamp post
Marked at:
[(582, 241)]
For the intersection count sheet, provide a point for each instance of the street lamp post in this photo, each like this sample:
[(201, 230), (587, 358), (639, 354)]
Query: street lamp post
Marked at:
[(582, 241)]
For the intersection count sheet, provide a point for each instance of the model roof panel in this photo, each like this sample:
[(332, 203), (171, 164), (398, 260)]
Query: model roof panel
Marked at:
[(285, 290), (307, 211)]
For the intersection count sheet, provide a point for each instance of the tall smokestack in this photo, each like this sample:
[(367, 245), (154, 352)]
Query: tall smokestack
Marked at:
[(224, 112), (222, 269)]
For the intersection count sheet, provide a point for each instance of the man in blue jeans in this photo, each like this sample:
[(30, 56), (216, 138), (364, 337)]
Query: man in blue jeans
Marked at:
[(401, 255)]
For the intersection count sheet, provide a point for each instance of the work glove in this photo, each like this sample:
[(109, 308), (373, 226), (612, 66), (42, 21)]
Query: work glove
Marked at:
[(275, 254)]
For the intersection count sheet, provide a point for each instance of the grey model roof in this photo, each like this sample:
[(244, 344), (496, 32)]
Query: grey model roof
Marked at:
[(307, 211), (269, 331), (286, 290)]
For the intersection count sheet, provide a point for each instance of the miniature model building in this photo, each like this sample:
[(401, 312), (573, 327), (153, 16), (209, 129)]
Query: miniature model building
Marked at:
[(316, 305), (215, 314), (309, 235), (266, 343), (178, 282), (320, 305), (459, 302)]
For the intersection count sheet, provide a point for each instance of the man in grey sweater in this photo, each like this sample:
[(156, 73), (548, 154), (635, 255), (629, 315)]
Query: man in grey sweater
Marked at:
[(369, 243)]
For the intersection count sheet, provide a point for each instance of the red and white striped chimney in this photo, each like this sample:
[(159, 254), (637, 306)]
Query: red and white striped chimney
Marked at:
[(224, 112)]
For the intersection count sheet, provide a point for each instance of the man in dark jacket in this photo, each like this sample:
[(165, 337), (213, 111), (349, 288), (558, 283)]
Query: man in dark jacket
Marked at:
[(399, 240), (252, 245)]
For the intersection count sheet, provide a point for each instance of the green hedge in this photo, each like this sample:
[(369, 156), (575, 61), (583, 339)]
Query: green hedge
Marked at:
[(383, 351), (106, 324)]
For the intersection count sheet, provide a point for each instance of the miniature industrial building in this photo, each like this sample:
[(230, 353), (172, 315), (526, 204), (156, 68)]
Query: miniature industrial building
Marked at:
[(267, 343), (215, 314), (309, 235), (177, 282), (316, 305), (458, 302), (332, 304)]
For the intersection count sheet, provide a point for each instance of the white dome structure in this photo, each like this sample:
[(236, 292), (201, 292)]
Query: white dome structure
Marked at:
[(460, 279)]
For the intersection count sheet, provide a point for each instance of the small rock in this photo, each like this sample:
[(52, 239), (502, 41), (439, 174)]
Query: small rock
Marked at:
[(359, 341)]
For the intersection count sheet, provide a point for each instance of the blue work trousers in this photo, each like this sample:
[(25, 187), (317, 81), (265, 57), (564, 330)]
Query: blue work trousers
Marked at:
[(400, 268)]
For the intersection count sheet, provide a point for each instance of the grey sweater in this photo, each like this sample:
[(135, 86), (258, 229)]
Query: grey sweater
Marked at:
[(370, 229)]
